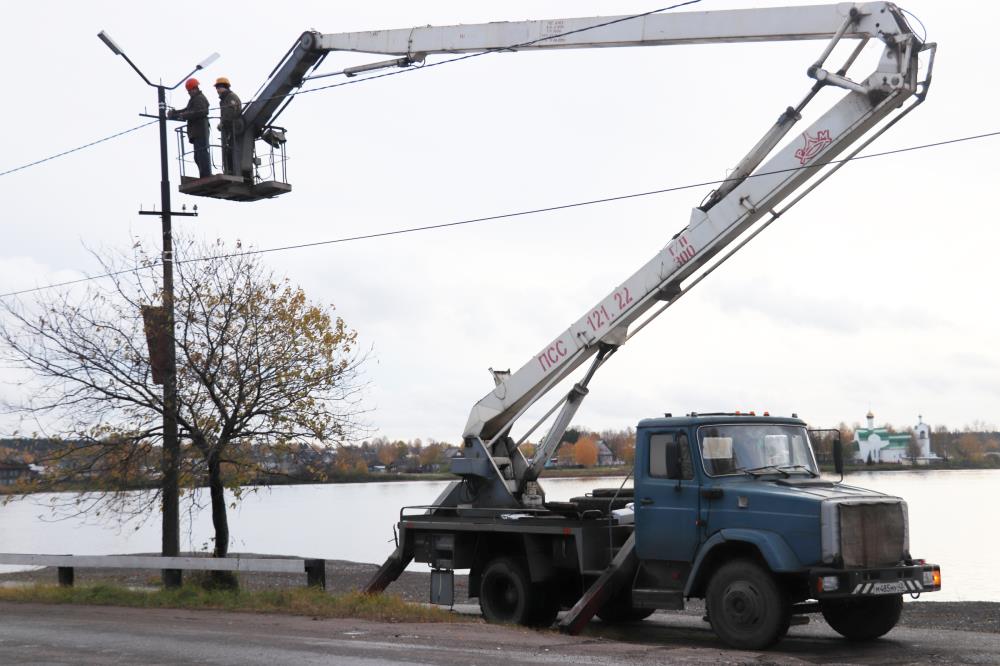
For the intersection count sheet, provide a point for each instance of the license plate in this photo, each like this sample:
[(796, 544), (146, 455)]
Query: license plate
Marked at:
[(889, 588)]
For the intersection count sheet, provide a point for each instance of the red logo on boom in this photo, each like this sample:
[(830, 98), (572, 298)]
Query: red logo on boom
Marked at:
[(814, 144), (551, 356)]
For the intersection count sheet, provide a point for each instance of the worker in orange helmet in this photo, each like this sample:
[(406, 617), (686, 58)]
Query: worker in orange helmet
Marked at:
[(196, 115), (231, 109)]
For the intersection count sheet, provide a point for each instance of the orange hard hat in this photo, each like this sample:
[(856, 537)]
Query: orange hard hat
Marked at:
[(222, 81), (191, 84)]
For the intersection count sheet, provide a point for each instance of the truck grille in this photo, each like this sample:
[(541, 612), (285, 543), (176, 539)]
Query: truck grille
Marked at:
[(872, 534)]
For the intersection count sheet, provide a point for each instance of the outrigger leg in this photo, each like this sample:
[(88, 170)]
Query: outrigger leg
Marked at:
[(389, 571), (618, 573)]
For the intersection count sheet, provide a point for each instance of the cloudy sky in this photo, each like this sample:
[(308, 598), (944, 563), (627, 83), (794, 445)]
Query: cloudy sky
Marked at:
[(875, 292)]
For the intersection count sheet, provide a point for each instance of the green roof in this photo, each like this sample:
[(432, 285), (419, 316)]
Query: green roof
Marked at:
[(894, 441), (865, 433)]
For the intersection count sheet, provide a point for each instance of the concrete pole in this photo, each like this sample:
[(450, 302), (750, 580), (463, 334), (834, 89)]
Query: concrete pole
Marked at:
[(171, 446)]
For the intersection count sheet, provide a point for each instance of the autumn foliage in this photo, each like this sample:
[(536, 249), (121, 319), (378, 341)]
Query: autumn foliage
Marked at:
[(585, 450)]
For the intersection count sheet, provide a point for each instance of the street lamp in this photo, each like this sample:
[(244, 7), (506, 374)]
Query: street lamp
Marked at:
[(171, 446)]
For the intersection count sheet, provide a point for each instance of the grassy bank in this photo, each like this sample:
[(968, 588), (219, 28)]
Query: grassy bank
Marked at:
[(299, 601)]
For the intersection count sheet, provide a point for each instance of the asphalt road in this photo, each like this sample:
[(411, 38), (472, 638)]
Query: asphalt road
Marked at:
[(44, 634)]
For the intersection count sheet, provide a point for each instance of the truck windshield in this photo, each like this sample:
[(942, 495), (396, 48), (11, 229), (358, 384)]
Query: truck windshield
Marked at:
[(757, 448)]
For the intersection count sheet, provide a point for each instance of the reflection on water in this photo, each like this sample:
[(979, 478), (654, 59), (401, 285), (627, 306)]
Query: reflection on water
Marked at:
[(950, 523)]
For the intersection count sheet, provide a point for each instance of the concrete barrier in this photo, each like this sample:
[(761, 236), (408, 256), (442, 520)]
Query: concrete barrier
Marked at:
[(314, 569)]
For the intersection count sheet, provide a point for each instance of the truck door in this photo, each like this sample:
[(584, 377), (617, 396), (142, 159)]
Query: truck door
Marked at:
[(666, 499)]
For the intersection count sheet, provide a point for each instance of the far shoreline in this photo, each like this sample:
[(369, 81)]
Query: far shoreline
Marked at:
[(619, 472)]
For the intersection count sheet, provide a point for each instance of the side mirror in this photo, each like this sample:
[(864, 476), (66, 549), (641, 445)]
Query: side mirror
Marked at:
[(673, 454), (838, 457)]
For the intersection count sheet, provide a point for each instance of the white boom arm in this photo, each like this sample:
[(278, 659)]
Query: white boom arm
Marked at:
[(753, 191), (876, 19)]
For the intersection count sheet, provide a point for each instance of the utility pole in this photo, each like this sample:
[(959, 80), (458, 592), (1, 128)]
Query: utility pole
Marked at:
[(171, 446)]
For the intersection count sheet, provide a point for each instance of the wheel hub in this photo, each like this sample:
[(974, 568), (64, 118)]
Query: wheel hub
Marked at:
[(504, 597), (742, 604)]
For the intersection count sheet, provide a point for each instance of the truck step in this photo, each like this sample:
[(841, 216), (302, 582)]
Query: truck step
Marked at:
[(652, 598)]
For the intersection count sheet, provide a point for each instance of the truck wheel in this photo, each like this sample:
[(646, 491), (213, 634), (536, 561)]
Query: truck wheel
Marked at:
[(863, 619), (619, 609), (746, 608), (505, 593)]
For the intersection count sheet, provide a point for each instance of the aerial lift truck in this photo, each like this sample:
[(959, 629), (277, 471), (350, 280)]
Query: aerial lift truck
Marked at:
[(727, 507)]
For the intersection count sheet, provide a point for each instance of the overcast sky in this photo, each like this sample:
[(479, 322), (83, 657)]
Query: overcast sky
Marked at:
[(876, 292)]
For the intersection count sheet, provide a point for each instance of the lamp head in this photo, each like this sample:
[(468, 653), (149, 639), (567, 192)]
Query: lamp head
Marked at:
[(208, 61), (110, 43)]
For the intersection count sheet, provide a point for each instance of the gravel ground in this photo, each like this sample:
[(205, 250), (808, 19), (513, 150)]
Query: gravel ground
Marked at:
[(343, 576)]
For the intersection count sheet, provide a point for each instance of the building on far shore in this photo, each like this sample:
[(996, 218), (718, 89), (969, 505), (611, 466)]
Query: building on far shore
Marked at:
[(879, 445), (12, 473), (922, 431)]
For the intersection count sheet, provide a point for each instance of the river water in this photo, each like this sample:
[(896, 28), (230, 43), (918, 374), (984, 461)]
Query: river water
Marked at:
[(952, 523)]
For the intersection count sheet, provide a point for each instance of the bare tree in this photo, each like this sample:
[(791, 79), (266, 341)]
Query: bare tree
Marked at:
[(913, 450), (970, 447), (944, 441), (264, 376)]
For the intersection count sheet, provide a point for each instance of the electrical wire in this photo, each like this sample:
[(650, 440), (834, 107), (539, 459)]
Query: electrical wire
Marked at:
[(467, 56), (502, 216), (499, 49), (368, 78), (78, 148)]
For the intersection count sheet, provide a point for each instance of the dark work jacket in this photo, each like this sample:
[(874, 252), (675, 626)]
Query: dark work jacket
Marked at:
[(196, 115), (230, 108)]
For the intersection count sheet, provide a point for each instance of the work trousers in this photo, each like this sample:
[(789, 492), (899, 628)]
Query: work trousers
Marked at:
[(227, 152), (201, 157)]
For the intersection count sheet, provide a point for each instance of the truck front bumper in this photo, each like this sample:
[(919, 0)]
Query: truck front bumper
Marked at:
[(914, 578)]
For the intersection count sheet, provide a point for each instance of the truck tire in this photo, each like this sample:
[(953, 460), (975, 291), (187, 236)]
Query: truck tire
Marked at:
[(506, 595), (619, 609), (746, 608), (863, 619)]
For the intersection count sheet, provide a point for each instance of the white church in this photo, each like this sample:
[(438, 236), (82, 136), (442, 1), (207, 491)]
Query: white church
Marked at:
[(884, 447)]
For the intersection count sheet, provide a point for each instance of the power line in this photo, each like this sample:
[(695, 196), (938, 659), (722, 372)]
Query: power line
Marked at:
[(369, 78), (78, 148), (499, 49), (504, 216), (579, 204)]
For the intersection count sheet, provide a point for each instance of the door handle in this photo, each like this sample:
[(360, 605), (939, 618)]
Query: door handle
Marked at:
[(646, 501)]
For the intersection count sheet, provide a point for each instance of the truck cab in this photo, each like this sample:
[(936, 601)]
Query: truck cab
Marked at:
[(732, 508)]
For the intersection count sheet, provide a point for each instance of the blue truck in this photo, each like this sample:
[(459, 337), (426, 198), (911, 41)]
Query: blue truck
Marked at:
[(729, 508)]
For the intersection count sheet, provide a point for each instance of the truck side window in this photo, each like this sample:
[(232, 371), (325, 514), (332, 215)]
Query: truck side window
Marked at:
[(658, 454), (666, 446)]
